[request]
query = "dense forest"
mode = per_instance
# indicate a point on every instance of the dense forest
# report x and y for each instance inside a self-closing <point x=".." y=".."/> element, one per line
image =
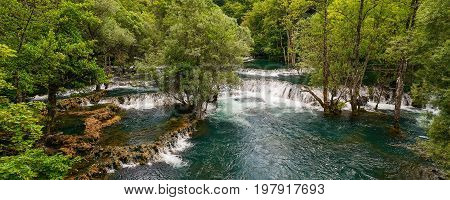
<point x="191" y="49"/>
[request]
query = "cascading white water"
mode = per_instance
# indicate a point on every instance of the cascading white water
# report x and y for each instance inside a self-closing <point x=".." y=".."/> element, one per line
<point x="168" y="154"/>
<point x="139" y="101"/>
<point x="275" y="91"/>
<point x="387" y="98"/>
<point x="115" y="84"/>
<point x="269" y="73"/>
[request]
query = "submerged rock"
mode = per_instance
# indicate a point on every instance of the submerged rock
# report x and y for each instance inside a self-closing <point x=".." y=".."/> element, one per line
<point x="95" y="121"/>
<point x="78" y="102"/>
<point x="112" y="158"/>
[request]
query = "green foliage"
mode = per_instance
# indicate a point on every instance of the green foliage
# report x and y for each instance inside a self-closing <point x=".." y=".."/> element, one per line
<point x="439" y="130"/>
<point x="274" y="25"/>
<point x="126" y="31"/>
<point x="19" y="125"/>
<point x="5" y="53"/>
<point x="236" y="8"/>
<point x="20" y="129"/>
<point x="432" y="51"/>
<point x="341" y="105"/>
<point x="438" y="148"/>
<point x="65" y="58"/>
<point x="199" y="53"/>
<point x="34" y="164"/>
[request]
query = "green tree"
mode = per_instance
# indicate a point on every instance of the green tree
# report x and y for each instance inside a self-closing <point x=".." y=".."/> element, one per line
<point x="199" y="53"/>
<point x="20" y="129"/>
<point x="64" y="58"/>
<point x="274" y="25"/>
<point x="236" y="8"/>
<point x="21" y="23"/>
<point x="432" y="43"/>
<point x="5" y="52"/>
<point x="127" y="30"/>
<point x="401" y="52"/>
<point x="20" y="126"/>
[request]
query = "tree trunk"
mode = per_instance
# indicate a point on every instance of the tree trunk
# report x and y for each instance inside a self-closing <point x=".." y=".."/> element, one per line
<point x="326" y="65"/>
<point x="291" y="60"/>
<point x="380" y="93"/>
<point x="402" y="67"/>
<point x="354" y="90"/>
<point x="52" y="90"/>
<point x="288" y="47"/>
<point x="284" y="51"/>
<point x="399" y="93"/>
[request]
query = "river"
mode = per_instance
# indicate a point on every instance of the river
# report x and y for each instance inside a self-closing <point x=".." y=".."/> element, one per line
<point x="268" y="130"/>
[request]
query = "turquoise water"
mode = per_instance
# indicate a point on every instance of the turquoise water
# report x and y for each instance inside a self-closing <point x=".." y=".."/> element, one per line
<point x="245" y="139"/>
<point x="137" y="127"/>
<point x="248" y="138"/>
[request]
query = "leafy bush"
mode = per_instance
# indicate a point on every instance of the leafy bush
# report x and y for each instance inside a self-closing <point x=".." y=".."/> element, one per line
<point x="19" y="126"/>
<point x="20" y="129"/>
<point x="34" y="164"/>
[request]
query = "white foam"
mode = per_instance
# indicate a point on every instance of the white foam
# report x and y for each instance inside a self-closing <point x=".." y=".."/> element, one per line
<point x="169" y="154"/>
<point x="282" y="93"/>
<point x="128" y="165"/>
<point x="269" y="93"/>
<point x="110" y="170"/>
<point x="139" y="101"/>
<point x="115" y="84"/>
<point x="269" y="73"/>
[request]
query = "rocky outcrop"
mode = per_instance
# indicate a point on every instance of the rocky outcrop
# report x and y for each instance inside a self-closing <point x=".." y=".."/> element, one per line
<point x="95" y="121"/>
<point x="114" y="157"/>
<point x="78" y="102"/>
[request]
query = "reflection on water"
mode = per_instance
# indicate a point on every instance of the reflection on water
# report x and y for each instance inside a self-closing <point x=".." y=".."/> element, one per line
<point x="264" y="64"/>
<point x="138" y="127"/>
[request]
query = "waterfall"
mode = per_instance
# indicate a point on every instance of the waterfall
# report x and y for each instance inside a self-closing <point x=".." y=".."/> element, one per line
<point x="115" y="84"/>
<point x="387" y="98"/>
<point x="268" y="73"/>
<point x="275" y="91"/>
<point x="166" y="149"/>
<point x="268" y="89"/>
<point x="168" y="154"/>
<point x="139" y="101"/>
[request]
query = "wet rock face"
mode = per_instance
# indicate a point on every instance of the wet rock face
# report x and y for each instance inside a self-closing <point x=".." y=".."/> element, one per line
<point x="78" y="102"/>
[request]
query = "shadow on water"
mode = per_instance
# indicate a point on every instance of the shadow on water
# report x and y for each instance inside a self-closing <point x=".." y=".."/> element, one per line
<point x="140" y="127"/>
<point x="264" y="64"/>
<point x="70" y="125"/>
